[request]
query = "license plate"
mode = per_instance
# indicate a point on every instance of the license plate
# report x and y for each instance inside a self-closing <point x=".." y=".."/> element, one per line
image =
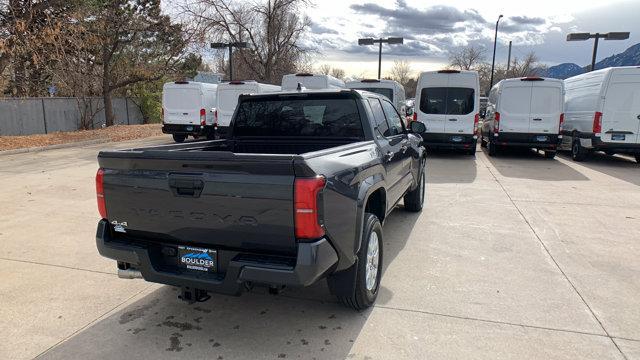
<point x="189" y="128"/>
<point x="199" y="259"/>
<point x="617" y="137"/>
<point x="542" y="138"/>
<point x="456" y="138"/>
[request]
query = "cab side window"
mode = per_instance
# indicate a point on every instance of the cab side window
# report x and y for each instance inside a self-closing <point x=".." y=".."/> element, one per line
<point x="378" y="116"/>
<point x="393" y="118"/>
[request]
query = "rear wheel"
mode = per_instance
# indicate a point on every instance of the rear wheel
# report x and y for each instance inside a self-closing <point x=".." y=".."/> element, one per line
<point x="638" y="158"/>
<point x="578" y="152"/>
<point x="472" y="151"/>
<point x="369" y="266"/>
<point x="179" y="138"/>
<point x="414" y="199"/>
<point x="549" y="154"/>
<point x="483" y="142"/>
<point x="610" y="153"/>
<point x="493" y="148"/>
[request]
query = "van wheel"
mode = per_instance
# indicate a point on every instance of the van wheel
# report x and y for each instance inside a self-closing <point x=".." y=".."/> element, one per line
<point x="549" y="154"/>
<point x="493" y="148"/>
<point x="578" y="152"/>
<point x="414" y="199"/>
<point x="638" y="159"/>
<point x="483" y="143"/>
<point x="179" y="138"/>
<point x="368" y="267"/>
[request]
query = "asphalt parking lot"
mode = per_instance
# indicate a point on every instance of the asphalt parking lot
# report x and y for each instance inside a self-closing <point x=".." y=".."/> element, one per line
<point x="515" y="257"/>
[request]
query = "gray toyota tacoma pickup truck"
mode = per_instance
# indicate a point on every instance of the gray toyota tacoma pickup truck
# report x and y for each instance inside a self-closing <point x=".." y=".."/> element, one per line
<point x="297" y="193"/>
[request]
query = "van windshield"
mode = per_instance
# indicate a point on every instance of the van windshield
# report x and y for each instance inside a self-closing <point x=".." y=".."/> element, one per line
<point x="382" y="91"/>
<point x="447" y="101"/>
<point x="323" y="117"/>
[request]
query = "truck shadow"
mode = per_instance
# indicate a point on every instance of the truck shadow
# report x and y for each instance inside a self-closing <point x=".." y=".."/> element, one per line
<point x="624" y="168"/>
<point x="529" y="164"/>
<point x="300" y="323"/>
<point x="448" y="166"/>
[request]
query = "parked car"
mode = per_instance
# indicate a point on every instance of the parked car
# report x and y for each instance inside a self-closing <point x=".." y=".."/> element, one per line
<point x="227" y="97"/>
<point x="448" y="104"/>
<point x="524" y="112"/>
<point x="393" y="90"/>
<point x="298" y="192"/>
<point x="311" y="81"/>
<point x="602" y="113"/>
<point x="186" y="109"/>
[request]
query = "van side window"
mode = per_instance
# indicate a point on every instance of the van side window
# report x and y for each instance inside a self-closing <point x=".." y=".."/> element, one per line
<point x="394" y="120"/>
<point x="447" y="101"/>
<point x="378" y="115"/>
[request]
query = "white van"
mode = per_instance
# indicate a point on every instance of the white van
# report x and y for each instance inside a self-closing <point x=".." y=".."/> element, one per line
<point x="187" y="109"/>
<point x="393" y="90"/>
<point x="524" y="112"/>
<point x="602" y="112"/>
<point x="228" y="99"/>
<point x="447" y="102"/>
<point x="311" y="81"/>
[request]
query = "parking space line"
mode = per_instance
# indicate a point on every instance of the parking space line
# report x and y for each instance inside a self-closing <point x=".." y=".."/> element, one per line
<point x="58" y="266"/>
<point x="546" y="249"/>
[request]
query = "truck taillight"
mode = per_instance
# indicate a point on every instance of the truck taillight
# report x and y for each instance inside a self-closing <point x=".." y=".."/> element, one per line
<point x="415" y="116"/>
<point x="215" y="116"/>
<point x="306" y="193"/>
<point x="203" y="117"/>
<point x="597" y="122"/>
<point x="476" y="121"/>
<point x="102" y="206"/>
<point x="496" y="126"/>
<point x="561" y="123"/>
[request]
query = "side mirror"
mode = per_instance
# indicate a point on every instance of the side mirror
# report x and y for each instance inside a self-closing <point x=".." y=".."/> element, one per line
<point x="417" y="127"/>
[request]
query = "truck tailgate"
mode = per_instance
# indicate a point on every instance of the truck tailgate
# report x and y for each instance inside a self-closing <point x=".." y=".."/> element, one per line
<point x="218" y="199"/>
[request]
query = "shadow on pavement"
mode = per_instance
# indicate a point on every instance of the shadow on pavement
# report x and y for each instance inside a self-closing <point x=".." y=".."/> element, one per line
<point x="298" y="324"/>
<point x="621" y="167"/>
<point x="449" y="166"/>
<point x="529" y="164"/>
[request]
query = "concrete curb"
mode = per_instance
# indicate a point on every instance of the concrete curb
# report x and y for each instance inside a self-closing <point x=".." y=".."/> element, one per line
<point x="53" y="147"/>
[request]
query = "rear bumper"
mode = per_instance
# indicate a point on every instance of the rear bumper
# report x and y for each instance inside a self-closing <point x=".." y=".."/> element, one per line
<point x="449" y="141"/>
<point x="619" y="148"/>
<point x="526" y="140"/>
<point x="188" y="129"/>
<point x="313" y="261"/>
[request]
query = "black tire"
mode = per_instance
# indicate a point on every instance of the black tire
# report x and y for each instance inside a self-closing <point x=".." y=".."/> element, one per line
<point x="493" y="148"/>
<point x="179" y="138"/>
<point x="483" y="143"/>
<point x="610" y="153"/>
<point x="414" y="199"/>
<point x="212" y="136"/>
<point x="549" y="154"/>
<point x="578" y="153"/>
<point x="362" y="297"/>
<point x="638" y="159"/>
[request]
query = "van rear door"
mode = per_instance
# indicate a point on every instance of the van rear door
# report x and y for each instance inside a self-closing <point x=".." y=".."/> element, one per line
<point x="461" y="103"/>
<point x="515" y="107"/>
<point x="621" y="109"/>
<point x="182" y="104"/>
<point x="546" y="107"/>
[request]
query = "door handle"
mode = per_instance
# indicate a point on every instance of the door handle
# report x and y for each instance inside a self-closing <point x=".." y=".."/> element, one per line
<point x="186" y="187"/>
<point x="404" y="148"/>
<point x="537" y="119"/>
<point x="453" y="119"/>
<point x="388" y="156"/>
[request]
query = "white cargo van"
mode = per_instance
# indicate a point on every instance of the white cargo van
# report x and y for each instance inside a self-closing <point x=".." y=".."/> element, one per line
<point x="393" y="90"/>
<point x="524" y="112"/>
<point x="311" y="81"/>
<point x="187" y="109"/>
<point x="602" y="112"/>
<point x="447" y="102"/>
<point x="227" y="97"/>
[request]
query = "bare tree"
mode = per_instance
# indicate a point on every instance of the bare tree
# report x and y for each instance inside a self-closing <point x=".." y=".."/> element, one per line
<point x="466" y="58"/>
<point x="324" y="69"/>
<point x="338" y="73"/>
<point x="526" y="67"/>
<point x="401" y="71"/>
<point x="273" y="29"/>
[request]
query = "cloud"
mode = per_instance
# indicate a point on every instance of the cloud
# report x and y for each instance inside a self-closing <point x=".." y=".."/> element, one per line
<point x="320" y="29"/>
<point x="525" y="20"/>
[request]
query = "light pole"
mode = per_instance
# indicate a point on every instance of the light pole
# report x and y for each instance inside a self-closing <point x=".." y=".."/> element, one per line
<point x="371" y="41"/>
<point x="230" y="45"/>
<point x="597" y="36"/>
<point x="493" y="62"/>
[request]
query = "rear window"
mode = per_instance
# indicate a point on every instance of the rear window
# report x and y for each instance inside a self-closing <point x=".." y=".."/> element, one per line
<point x="181" y="99"/>
<point x="326" y="117"/>
<point x="447" y="101"/>
<point x="382" y="91"/>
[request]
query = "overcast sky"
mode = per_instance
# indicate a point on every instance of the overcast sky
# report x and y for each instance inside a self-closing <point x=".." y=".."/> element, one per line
<point x="432" y="29"/>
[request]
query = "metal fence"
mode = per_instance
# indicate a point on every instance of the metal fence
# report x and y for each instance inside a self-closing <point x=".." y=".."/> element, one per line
<point x="27" y="116"/>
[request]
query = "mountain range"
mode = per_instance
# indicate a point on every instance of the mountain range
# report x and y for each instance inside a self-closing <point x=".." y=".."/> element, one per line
<point x="629" y="57"/>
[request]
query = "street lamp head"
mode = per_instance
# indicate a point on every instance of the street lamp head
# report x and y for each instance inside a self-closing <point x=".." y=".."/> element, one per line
<point x="500" y="17"/>
<point x="367" y="41"/>
<point x="578" y="36"/>
<point x="617" y="36"/>
<point x="395" y="40"/>
<point x="219" y="45"/>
